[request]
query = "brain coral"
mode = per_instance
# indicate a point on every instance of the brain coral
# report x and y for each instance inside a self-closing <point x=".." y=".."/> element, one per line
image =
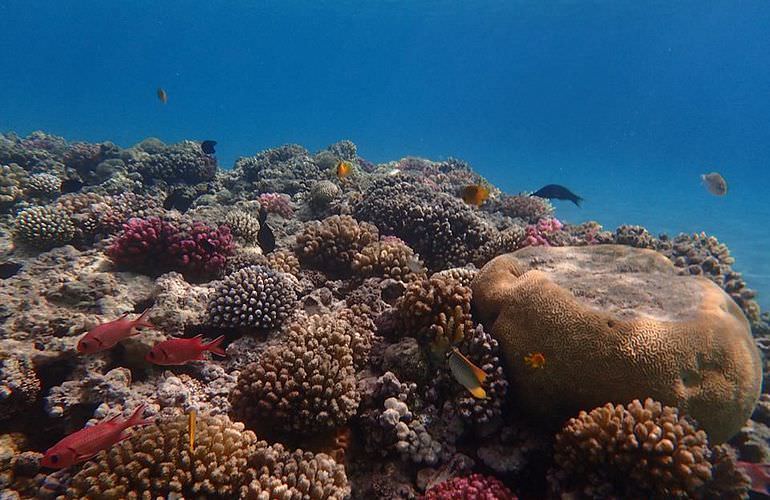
<point x="333" y="243"/>
<point x="441" y="228"/>
<point x="616" y="323"/>
<point x="638" y="451"/>
<point x="473" y="487"/>
<point x="436" y="310"/>
<point x="227" y="462"/>
<point x="389" y="258"/>
<point x="306" y="384"/>
<point x="252" y="297"/>
<point x="43" y="227"/>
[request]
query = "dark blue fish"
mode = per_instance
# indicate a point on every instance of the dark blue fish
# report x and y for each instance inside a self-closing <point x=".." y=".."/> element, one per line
<point x="555" y="191"/>
<point x="265" y="236"/>
<point x="208" y="147"/>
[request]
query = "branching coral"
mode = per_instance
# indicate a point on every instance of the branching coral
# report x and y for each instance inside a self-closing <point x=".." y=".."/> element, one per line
<point x="43" y="227"/>
<point x="155" y="245"/>
<point x="635" y="236"/>
<point x="441" y="228"/>
<point x="284" y="261"/>
<point x="252" y="297"/>
<point x="306" y="384"/>
<point x="635" y="451"/>
<point x="43" y="185"/>
<point x="333" y="243"/>
<point x="243" y="226"/>
<point x="276" y="203"/>
<point x="473" y="487"/>
<point x="436" y="310"/>
<point x="388" y="258"/>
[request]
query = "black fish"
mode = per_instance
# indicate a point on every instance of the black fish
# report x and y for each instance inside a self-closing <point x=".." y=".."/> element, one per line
<point x="208" y="147"/>
<point x="558" y="192"/>
<point x="265" y="236"/>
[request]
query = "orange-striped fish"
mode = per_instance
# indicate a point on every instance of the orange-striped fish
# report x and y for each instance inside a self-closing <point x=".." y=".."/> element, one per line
<point x="535" y="360"/>
<point x="475" y="194"/>
<point x="162" y="95"/>
<point x="469" y="375"/>
<point x="344" y="169"/>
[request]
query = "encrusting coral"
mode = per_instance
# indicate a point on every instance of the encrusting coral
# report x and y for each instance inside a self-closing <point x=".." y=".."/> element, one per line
<point x="641" y="450"/>
<point x="332" y="244"/>
<point x="305" y="384"/>
<point x="252" y="297"/>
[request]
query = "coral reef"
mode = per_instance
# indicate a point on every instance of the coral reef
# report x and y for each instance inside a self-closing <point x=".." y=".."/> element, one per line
<point x="332" y="244"/>
<point x="19" y="385"/>
<point x="253" y="297"/>
<point x="388" y="258"/>
<point x="243" y="226"/>
<point x="528" y="208"/>
<point x="642" y="450"/>
<point x="43" y="228"/>
<point x="183" y="163"/>
<point x="473" y="487"/>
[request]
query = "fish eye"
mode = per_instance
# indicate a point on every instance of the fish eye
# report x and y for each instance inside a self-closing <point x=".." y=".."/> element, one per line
<point x="54" y="459"/>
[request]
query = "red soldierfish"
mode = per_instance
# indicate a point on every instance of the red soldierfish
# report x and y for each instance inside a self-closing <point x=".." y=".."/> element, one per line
<point x="106" y="335"/>
<point x="759" y="474"/>
<point x="86" y="443"/>
<point x="180" y="351"/>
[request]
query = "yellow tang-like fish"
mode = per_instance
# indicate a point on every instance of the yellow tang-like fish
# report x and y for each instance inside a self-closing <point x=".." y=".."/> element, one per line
<point x="191" y="425"/>
<point x="344" y="169"/>
<point x="469" y="375"/>
<point x="475" y="194"/>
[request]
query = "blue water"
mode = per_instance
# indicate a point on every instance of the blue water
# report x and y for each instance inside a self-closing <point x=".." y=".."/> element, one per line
<point x="625" y="102"/>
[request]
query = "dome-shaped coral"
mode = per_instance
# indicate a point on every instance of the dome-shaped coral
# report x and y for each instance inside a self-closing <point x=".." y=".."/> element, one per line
<point x="333" y="243"/>
<point x="473" y="487"/>
<point x="306" y="383"/>
<point x="436" y="310"/>
<point x="252" y="297"/>
<point x="284" y="261"/>
<point x="44" y="185"/>
<point x="388" y="258"/>
<point x="243" y="226"/>
<point x="322" y="193"/>
<point x="43" y="227"/>
<point x="12" y="177"/>
<point x="525" y="207"/>
<point x="634" y="451"/>
<point x="183" y="163"/>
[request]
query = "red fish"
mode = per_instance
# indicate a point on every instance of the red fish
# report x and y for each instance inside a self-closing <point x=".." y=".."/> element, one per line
<point x="86" y="443"/>
<point x="759" y="474"/>
<point x="106" y="335"/>
<point x="180" y="351"/>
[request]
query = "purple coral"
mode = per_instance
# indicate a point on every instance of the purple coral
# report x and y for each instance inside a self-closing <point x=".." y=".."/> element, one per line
<point x="473" y="487"/>
<point x="276" y="203"/>
<point x="537" y="234"/>
<point x="153" y="244"/>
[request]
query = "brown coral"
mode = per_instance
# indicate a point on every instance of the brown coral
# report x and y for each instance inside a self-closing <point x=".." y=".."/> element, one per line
<point x="284" y="261"/>
<point x="304" y="384"/>
<point x="526" y="207"/>
<point x="617" y="323"/>
<point x="637" y="451"/>
<point x="333" y="243"/>
<point x="389" y="258"/>
<point x="436" y="310"/>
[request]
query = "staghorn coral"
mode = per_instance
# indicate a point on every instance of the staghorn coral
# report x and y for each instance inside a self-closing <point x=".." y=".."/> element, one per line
<point x="473" y="487"/>
<point x="388" y="258"/>
<point x="305" y="384"/>
<point x="243" y="226"/>
<point x="528" y="208"/>
<point x="43" y="228"/>
<point x="437" y="311"/>
<point x="333" y="243"/>
<point x="252" y="297"/>
<point x="441" y="228"/>
<point x="641" y="450"/>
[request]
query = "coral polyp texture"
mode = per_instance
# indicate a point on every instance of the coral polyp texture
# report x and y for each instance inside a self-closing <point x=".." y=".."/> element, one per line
<point x="333" y="243"/>
<point x="345" y="300"/>
<point x="306" y="383"/>
<point x="255" y="297"/>
<point x="641" y="450"/>
<point x="679" y="339"/>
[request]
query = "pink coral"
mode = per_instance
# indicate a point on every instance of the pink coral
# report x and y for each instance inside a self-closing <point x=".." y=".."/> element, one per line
<point x="276" y="203"/>
<point x="537" y="234"/>
<point x="153" y="244"/>
<point x="473" y="487"/>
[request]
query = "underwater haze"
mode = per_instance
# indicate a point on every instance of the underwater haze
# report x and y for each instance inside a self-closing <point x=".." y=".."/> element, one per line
<point x="626" y="103"/>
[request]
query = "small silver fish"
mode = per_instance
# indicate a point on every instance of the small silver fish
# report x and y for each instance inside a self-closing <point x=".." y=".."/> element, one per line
<point x="715" y="183"/>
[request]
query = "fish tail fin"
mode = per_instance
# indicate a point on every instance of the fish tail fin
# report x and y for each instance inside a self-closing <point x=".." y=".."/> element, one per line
<point x="578" y="200"/>
<point x="143" y="321"/>
<point x="214" y="347"/>
<point x="136" y="417"/>
<point x="478" y="392"/>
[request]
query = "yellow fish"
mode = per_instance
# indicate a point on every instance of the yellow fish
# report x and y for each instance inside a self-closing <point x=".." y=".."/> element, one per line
<point x="191" y="425"/>
<point x="162" y="95"/>
<point x="469" y="375"/>
<point x="535" y="360"/>
<point x="344" y="169"/>
<point x="475" y="194"/>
